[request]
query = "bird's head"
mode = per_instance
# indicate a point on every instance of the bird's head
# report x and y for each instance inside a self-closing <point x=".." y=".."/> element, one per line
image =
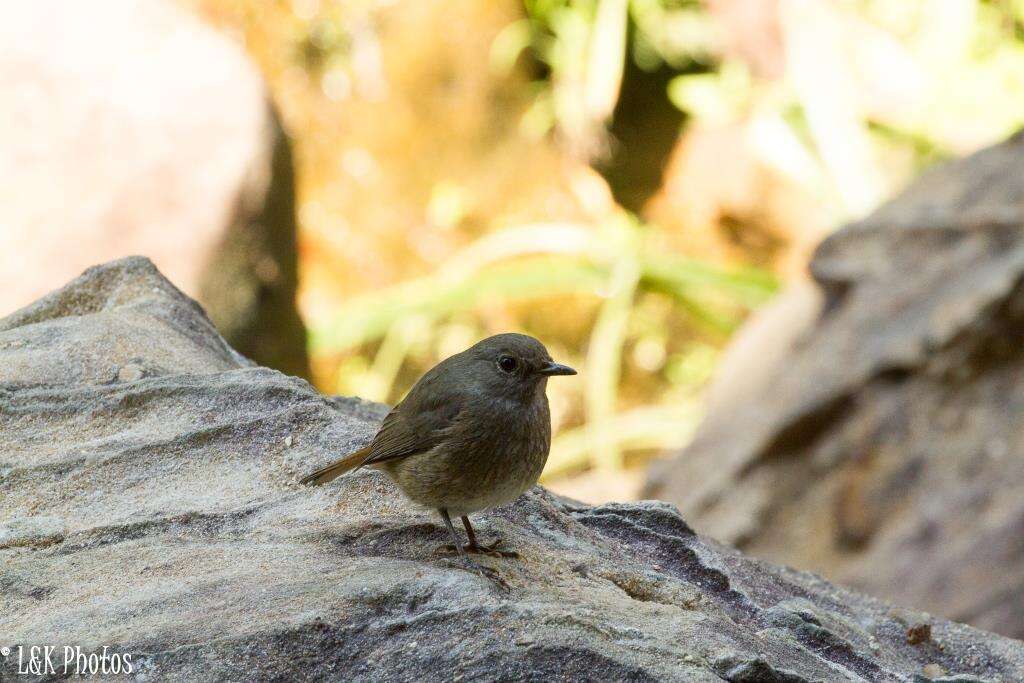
<point x="513" y="366"/>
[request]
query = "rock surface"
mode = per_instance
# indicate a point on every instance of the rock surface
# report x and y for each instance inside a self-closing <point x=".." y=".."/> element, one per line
<point x="885" y="449"/>
<point x="156" y="512"/>
<point x="130" y="127"/>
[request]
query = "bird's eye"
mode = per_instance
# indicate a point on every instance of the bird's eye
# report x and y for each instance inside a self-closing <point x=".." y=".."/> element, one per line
<point x="507" y="364"/>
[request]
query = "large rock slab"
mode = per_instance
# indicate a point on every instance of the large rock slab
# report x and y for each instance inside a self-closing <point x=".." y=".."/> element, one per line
<point x="885" y="447"/>
<point x="148" y="503"/>
<point x="130" y="127"/>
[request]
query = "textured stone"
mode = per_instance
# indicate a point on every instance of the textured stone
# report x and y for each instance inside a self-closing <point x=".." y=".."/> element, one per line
<point x="189" y="546"/>
<point x="32" y="532"/>
<point x="885" y="446"/>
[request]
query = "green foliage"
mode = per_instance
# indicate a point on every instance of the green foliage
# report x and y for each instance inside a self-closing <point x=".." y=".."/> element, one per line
<point x="869" y="91"/>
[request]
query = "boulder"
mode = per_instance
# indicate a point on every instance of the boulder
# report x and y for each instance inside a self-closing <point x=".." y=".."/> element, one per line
<point x="148" y="504"/>
<point x="884" y="447"/>
<point x="128" y="126"/>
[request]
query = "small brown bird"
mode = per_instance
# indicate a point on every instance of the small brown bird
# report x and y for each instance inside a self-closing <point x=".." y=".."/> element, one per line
<point x="473" y="433"/>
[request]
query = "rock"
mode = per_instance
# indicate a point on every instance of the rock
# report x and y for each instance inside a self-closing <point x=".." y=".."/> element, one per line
<point x="919" y="633"/>
<point x="32" y="532"/>
<point x="130" y="373"/>
<point x="738" y="670"/>
<point x="765" y="339"/>
<point x="883" y="447"/>
<point x="190" y="547"/>
<point x="128" y="126"/>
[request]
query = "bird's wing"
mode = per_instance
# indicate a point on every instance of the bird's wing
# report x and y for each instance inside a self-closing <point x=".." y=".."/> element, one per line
<point x="420" y="422"/>
<point x="413" y="427"/>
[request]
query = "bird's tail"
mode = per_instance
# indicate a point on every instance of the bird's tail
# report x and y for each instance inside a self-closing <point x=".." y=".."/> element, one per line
<point x="337" y="468"/>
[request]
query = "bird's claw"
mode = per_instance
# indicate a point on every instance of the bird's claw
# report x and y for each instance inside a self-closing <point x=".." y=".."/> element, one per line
<point x="491" y="550"/>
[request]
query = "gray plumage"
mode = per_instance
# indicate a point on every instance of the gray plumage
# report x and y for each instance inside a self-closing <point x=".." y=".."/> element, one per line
<point x="473" y="433"/>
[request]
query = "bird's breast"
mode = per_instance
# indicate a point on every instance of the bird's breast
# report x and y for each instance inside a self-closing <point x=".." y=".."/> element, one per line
<point x="505" y="454"/>
<point x="494" y="454"/>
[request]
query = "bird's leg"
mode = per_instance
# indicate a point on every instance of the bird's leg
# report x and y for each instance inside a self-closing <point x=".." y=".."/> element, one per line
<point x="491" y="549"/>
<point x="451" y="530"/>
<point x="458" y="546"/>
<point x="469" y="532"/>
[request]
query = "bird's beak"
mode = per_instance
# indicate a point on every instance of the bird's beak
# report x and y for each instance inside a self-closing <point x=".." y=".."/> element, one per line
<point x="553" y="368"/>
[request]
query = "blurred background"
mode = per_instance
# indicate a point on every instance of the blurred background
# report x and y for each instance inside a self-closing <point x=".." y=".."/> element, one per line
<point x="625" y="179"/>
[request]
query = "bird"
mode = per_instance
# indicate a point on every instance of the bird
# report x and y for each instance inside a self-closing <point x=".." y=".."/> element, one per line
<point x="474" y="432"/>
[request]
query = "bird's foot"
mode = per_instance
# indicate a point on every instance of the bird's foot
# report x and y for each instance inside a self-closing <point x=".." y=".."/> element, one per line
<point x="491" y="550"/>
